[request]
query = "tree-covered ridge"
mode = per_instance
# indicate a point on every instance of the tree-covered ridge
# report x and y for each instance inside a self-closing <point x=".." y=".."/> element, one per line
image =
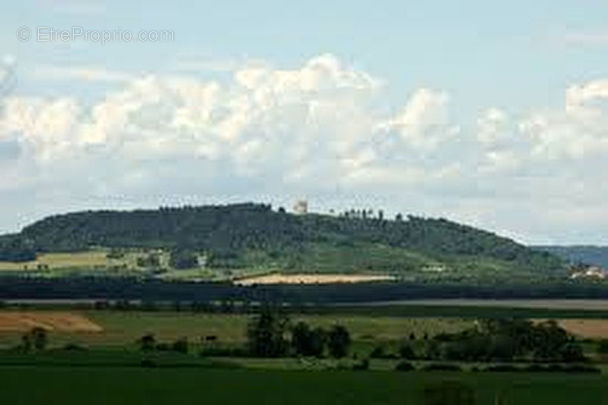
<point x="230" y="231"/>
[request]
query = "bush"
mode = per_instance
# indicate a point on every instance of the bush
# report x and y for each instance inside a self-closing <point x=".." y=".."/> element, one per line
<point x="379" y="352"/>
<point x="406" y="351"/>
<point x="405" y="366"/>
<point x="308" y="342"/>
<point x="338" y="341"/>
<point x="147" y="342"/>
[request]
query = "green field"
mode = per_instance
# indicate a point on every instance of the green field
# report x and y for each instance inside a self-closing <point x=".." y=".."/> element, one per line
<point x="318" y="257"/>
<point x="106" y="367"/>
<point x="66" y="386"/>
<point x="65" y="264"/>
<point x="120" y="328"/>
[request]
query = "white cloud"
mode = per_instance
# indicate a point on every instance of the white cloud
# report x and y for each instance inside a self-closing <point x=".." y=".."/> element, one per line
<point x="424" y="122"/>
<point x="7" y="74"/>
<point x="586" y="38"/>
<point x="311" y="130"/>
<point x="84" y="73"/>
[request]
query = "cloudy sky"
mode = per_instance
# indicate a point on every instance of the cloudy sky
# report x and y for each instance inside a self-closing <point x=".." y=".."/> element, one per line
<point x="490" y="113"/>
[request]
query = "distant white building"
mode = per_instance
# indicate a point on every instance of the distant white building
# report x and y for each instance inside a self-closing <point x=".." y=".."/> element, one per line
<point x="301" y="207"/>
<point x="591" y="272"/>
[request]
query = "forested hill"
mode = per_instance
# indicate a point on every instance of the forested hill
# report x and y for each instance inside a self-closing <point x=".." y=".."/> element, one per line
<point x="231" y="231"/>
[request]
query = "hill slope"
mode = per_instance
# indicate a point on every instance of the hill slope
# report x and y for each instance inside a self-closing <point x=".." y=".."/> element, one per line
<point x="254" y="235"/>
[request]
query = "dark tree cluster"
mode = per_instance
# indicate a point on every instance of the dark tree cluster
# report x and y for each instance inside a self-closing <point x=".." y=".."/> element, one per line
<point x="502" y="340"/>
<point x="35" y="339"/>
<point x="306" y="341"/>
<point x="148" y="343"/>
<point x="16" y="249"/>
<point x="268" y="336"/>
<point x="131" y="288"/>
<point x="183" y="259"/>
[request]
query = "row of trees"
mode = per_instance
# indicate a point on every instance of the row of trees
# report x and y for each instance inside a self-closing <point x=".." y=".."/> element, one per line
<point x="500" y="340"/>
<point x="270" y="334"/>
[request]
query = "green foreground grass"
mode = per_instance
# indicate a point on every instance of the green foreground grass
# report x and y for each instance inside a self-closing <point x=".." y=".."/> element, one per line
<point x="66" y="386"/>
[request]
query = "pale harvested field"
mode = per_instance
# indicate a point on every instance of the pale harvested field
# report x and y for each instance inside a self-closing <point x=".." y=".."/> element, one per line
<point x="588" y="328"/>
<point x="312" y="279"/>
<point x="16" y="321"/>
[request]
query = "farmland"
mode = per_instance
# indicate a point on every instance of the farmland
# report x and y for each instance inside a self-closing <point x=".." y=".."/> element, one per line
<point x="368" y="327"/>
<point x="68" y="263"/>
<point x="51" y="321"/>
<point x="120" y="328"/>
<point x="96" y="351"/>
<point x="92" y="258"/>
<point x="312" y="279"/>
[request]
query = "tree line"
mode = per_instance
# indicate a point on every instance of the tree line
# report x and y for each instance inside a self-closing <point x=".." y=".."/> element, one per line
<point x="148" y="290"/>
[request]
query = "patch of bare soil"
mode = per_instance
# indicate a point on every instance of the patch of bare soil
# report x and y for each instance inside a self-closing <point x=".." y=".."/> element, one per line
<point x="14" y="321"/>
<point x="312" y="279"/>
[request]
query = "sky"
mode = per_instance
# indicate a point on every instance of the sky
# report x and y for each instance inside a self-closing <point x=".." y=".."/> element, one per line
<point x="489" y="113"/>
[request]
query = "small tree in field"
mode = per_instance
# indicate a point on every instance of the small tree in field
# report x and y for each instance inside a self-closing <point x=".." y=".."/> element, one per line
<point x="37" y="338"/>
<point x="26" y="342"/>
<point x="300" y="338"/>
<point x="147" y="342"/>
<point x="306" y="341"/>
<point x="338" y="341"/>
<point x="266" y="334"/>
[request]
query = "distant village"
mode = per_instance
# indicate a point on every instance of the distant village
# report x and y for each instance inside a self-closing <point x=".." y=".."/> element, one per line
<point x="589" y="272"/>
